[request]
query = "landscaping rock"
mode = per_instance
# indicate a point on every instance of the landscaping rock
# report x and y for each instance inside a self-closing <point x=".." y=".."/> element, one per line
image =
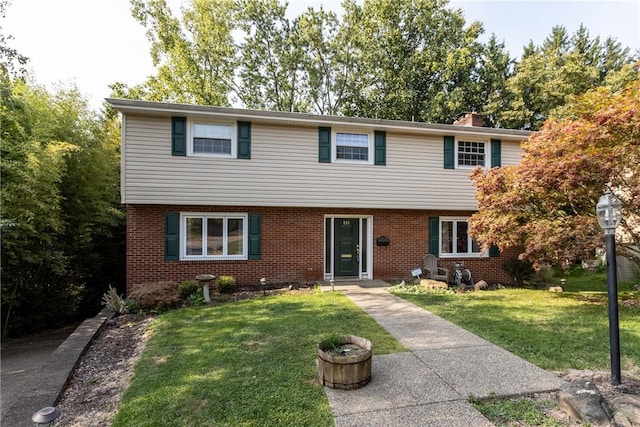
<point x="582" y="400"/>
<point x="481" y="286"/>
<point x="629" y="406"/>
<point x="555" y="289"/>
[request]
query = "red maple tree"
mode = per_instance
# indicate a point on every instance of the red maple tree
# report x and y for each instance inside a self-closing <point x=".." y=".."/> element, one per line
<point x="546" y="204"/>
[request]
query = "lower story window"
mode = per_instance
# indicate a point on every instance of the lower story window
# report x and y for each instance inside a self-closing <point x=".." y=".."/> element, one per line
<point x="455" y="239"/>
<point x="214" y="236"/>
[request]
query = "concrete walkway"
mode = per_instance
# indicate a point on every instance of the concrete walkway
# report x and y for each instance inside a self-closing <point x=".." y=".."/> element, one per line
<point x="35" y="372"/>
<point x="430" y="385"/>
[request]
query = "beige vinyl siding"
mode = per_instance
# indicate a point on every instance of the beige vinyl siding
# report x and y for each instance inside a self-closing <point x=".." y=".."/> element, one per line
<point x="511" y="153"/>
<point x="284" y="171"/>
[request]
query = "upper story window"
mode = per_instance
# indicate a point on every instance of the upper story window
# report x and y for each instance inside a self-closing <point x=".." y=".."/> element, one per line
<point x="212" y="139"/>
<point x="471" y="154"/>
<point x="352" y="146"/>
<point x="213" y="236"/>
<point x="455" y="240"/>
<point x="203" y="138"/>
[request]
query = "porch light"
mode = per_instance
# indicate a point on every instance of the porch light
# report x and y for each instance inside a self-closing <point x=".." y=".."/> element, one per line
<point x="609" y="215"/>
<point x="46" y="416"/>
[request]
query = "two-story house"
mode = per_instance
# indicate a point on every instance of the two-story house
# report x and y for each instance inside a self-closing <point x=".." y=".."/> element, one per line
<point x="299" y="197"/>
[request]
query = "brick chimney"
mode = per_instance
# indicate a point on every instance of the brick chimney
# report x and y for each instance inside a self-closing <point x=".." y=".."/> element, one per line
<point x="470" y="119"/>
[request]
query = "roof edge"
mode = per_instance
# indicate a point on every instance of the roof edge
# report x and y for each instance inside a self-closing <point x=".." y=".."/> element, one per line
<point x="165" y="108"/>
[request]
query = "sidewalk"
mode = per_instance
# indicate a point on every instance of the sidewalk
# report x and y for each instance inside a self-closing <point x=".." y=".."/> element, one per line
<point x="35" y="372"/>
<point x="430" y="385"/>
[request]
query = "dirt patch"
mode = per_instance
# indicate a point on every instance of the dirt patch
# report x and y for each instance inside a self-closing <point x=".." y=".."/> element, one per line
<point x="346" y="350"/>
<point x="103" y="373"/>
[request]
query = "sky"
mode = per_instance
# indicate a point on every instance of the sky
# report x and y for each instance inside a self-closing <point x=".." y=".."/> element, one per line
<point x="94" y="43"/>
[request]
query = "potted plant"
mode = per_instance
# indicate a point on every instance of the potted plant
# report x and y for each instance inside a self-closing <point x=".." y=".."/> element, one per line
<point x="344" y="362"/>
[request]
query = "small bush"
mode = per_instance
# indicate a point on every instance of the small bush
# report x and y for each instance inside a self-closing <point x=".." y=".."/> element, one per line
<point x="226" y="284"/>
<point x="196" y="298"/>
<point x="155" y="295"/>
<point x="543" y="276"/>
<point x="114" y="302"/>
<point x="518" y="269"/>
<point x="189" y="288"/>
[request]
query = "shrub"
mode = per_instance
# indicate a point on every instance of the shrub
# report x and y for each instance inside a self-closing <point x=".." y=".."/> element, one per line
<point x="114" y="302"/>
<point x="518" y="269"/>
<point x="189" y="288"/>
<point x="155" y="295"/>
<point x="226" y="284"/>
<point x="196" y="298"/>
<point x="543" y="276"/>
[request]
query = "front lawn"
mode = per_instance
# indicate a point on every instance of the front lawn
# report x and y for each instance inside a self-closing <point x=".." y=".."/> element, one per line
<point x="556" y="331"/>
<point x="246" y="363"/>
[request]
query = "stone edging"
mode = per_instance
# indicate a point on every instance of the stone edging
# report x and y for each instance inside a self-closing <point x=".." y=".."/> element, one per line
<point x="46" y="387"/>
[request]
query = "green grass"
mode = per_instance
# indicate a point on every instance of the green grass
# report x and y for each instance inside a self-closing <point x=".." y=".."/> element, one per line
<point x="502" y="412"/>
<point x="556" y="331"/>
<point x="241" y="364"/>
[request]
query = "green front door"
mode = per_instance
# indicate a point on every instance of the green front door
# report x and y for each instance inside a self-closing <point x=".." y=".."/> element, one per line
<point x="347" y="247"/>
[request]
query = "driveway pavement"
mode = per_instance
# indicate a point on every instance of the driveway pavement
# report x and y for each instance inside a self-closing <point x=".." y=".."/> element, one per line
<point x="20" y="361"/>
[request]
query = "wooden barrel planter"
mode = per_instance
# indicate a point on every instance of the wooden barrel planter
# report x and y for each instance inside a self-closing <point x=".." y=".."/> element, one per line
<point x="346" y="366"/>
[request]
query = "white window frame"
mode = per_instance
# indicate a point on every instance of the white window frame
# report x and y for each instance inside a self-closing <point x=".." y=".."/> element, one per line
<point x="334" y="146"/>
<point x="218" y="215"/>
<point x="487" y="153"/>
<point x="191" y="134"/>
<point x="455" y="253"/>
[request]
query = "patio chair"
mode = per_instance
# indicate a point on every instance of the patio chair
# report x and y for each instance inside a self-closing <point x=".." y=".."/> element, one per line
<point x="433" y="271"/>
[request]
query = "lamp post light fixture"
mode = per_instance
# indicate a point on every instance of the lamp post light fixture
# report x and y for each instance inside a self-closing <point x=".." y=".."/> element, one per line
<point x="46" y="416"/>
<point x="609" y="215"/>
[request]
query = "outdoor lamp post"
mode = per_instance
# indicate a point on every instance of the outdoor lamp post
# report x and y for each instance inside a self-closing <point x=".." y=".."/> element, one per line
<point x="609" y="215"/>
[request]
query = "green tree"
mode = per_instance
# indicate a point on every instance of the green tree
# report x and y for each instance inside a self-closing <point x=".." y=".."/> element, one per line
<point x="60" y="209"/>
<point x="329" y="63"/>
<point x="11" y="61"/>
<point x="195" y="56"/>
<point x="494" y="69"/>
<point x="547" y="76"/>
<point x="270" y="59"/>
<point x="417" y="60"/>
<point x="546" y="205"/>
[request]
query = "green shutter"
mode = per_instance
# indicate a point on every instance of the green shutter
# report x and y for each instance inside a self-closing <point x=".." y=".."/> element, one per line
<point x="434" y="235"/>
<point x="324" y="145"/>
<point x="496" y="153"/>
<point x="254" y="237"/>
<point x="494" y="251"/>
<point x="171" y="234"/>
<point x="179" y="136"/>
<point x="244" y="140"/>
<point x="449" y="152"/>
<point x="380" y="147"/>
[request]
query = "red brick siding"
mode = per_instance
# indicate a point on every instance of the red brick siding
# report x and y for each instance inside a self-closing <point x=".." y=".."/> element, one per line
<point x="292" y="246"/>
